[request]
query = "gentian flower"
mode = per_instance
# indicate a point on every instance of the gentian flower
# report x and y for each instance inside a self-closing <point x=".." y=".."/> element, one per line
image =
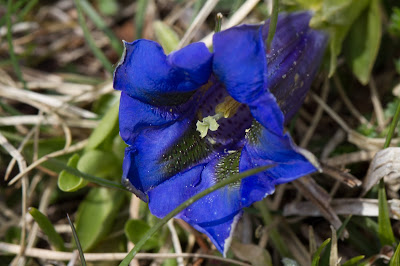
<point x="193" y="118"/>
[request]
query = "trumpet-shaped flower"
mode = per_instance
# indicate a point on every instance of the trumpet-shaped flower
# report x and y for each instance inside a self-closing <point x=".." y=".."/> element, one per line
<point x="192" y="118"/>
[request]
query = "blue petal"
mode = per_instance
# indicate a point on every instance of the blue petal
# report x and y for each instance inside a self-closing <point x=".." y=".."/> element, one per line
<point x="136" y="116"/>
<point x="147" y="74"/>
<point x="240" y="63"/>
<point x="267" y="148"/>
<point x="215" y="214"/>
<point x="144" y="165"/>
<point x="293" y="60"/>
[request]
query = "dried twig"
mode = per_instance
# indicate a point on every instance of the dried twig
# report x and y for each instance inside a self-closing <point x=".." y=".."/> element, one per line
<point x="238" y="17"/>
<point x="76" y="147"/>
<point x="377" y="104"/>
<point x="197" y="22"/>
<point x="317" y="116"/>
<point x="65" y="256"/>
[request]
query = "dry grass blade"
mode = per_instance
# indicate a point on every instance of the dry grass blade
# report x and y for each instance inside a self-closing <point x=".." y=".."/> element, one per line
<point x="317" y="117"/>
<point x="238" y="17"/>
<point x="65" y="256"/>
<point x="319" y="198"/>
<point x="76" y="147"/>
<point x="386" y="164"/>
<point x="38" y="100"/>
<point x="175" y="242"/>
<point x="333" y="258"/>
<point x="341" y="175"/>
<point x="347" y="206"/>
<point x="22" y="167"/>
<point x="350" y="158"/>
<point x="198" y="21"/>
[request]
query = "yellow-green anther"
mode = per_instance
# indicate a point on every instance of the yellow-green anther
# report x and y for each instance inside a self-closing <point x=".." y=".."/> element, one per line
<point x="228" y="107"/>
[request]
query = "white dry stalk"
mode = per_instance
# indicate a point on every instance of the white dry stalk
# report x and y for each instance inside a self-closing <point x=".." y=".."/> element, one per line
<point x="76" y="147"/>
<point x="350" y="158"/>
<point x="22" y="166"/>
<point x="344" y="206"/>
<point x="38" y="100"/>
<point x="236" y="18"/>
<point x="317" y="116"/>
<point x="66" y="256"/>
<point x="386" y="164"/>
<point x="43" y="205"/>
<point x="363" y="142"/>
<point x="175" y="242"/>
<point x="197" y="22"/>
<point x="46" y="120"/>
<point x="380" y="118"/>
<point x="353" y="110"/>
<point x="19" y="27"/>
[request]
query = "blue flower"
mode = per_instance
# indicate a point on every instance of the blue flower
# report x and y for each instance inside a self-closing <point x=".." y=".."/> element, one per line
<point x="193" y="118"/>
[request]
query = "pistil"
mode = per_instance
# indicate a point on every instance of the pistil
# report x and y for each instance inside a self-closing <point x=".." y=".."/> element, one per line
<point x="226" y="109"/>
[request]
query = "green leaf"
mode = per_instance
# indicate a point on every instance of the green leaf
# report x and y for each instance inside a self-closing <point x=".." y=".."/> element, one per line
<point x="386" y="236"/>
<point x="310" y="4"/>
<point x="101" y="164"/>
<point x="68" y="182"/>
<point x="337" y="16"/>
<point x="363" y="42"/>
<point x="136" y="229"/>
<point x="96" y="215"/>
<point x="353" y="261"/>
<point x="317" y="255"/>
<point x="107" y="126"/>
<point x="77" y="242"/>
<point x="167" y="37"/>
<point x="395" y="260"/>
<point x="44" y="223"/>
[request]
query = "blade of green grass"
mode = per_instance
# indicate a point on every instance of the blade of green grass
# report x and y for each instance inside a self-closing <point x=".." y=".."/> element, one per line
<point x="139" y="17"/>
<point x="386" y="236"/>
<point x="354" y="261"/>
<point x="44" y="223"/>
<point x="184" y="205"/>
<point x="27" y="8"/>
<point x="273" y="233"/>
<point x="273" y="23"/>
<point x="78" y="244"/>
<point x="317" y="255"/>
<point x="13" y="56"/>
<point x="385" y="231"/>
<point x="395" y="260"/>
<point x="101" y="25"/>
<point x="16" y="5"/>
<point x="89" y="39"/>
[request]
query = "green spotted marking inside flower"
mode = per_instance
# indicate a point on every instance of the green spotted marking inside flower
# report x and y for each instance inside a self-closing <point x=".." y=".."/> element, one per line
<point x="252" y="134"/>
<point x="228" y="166"/>
<point x="189" y="150"/>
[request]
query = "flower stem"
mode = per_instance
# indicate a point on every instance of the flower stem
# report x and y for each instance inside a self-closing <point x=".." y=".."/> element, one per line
<point x="218" y="22"/>
<point x="272" y="24"/>
<point x="184" y="205"/>
<point x="90" y="41"/>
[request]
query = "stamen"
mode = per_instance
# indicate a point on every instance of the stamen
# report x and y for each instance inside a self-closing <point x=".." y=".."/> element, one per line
<point x="228" y="107"/>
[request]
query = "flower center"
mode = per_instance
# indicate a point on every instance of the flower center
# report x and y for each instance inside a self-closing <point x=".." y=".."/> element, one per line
<point x="226" y="109"/>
